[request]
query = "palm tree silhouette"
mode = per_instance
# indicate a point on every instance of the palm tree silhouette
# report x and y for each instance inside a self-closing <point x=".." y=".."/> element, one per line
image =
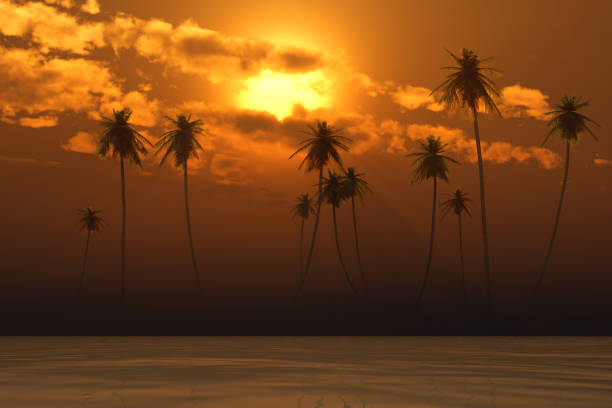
<point x="321" y="147"/>
<point x="90" y="221"/>
<point x="182" y="141"/>
<point x="430" y="163"/>
<point x="458" y="203"/>
<point x="303" y="209"/>
<point x="119" y="138"/>
<point x="467" y="88"/>
<point x="355" y="186"/>
<point x="332" y="191"/>
<point x="568" y="124"/>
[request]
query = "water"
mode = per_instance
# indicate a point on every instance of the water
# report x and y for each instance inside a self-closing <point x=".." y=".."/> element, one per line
<point x="306" y="372"/>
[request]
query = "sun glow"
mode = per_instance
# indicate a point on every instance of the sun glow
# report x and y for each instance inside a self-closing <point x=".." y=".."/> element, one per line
<point x="277" y="93"/>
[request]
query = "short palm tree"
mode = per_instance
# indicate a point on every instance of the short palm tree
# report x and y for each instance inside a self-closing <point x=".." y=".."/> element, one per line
<point x="322" y="147"/>
<point x="183" y="143"/>
<point x="430" y="163"/>
<point x="119" y="138"/>
<point x="332" y="191"/>
<point x="458" y="203"/>
<point x="356" y="186"/>
<point x="91" y="221"/>
<point x="304" y="208"/>
<point x="468" y="87"/>
<point x="568" y="124"/>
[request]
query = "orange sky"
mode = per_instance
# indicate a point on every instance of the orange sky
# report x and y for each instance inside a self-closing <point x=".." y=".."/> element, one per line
<point x="240" y="67"/>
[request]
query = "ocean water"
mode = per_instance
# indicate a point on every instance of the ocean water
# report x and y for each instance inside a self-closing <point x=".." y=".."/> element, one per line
<point x="357" y="372"/>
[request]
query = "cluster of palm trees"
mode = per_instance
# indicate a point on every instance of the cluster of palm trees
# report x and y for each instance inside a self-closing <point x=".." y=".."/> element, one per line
<point x="467" y="87"/>
<point x="120" y="139"/>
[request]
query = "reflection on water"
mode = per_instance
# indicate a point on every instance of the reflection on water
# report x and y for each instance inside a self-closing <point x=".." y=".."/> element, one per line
<point x="305" y="372"/>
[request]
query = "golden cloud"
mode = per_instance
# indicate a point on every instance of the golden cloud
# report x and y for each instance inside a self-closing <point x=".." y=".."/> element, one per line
<point x="39" y="121"/>
<point x="82" y="142"/>
<point x="35" y="85"/>
<point x="497" y="152"/>
<point x="50" y="28"/>
<point x="599" y="161"/>
<point x="414" y="97"/>
<point x="517" y="101"/>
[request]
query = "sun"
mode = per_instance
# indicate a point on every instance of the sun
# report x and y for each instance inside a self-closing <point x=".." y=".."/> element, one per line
<point x="277" y="92"/>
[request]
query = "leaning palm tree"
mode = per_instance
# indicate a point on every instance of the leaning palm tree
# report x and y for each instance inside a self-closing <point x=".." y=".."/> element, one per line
<point x="332" y="191"/>
<point x="90" y="221"/>
<point x="119" y="138"/>
<point x="322" y="147"/>
<point x="182" y="141"/>
<point x="356" y="186"/>
<point x="568" y="124"/>
<point x="303" y="209"/>
<point x="458" y="203"/>
<point x="430" y="163"/>
<point x="468" y="88"/>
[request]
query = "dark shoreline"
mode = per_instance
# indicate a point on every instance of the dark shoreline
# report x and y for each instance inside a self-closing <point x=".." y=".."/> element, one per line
<point x="307" y="320"/>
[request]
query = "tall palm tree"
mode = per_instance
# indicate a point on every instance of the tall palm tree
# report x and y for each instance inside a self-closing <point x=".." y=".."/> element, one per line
<point x="304" y="208"/>
<point x="322" y="147"/>
<point x="332" y="191"/>
<point x="468" y="87"/>
<point x="119" y="138"/>
<point x="356" y="186"/>
<point x="458" y="203"/>
<point x="568" y="124"/>
<point x="90" y="221"/>
<point x="182" y="141"/>
<point x="430" y="163"/>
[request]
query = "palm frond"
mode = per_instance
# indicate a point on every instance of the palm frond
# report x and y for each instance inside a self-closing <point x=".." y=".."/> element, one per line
<point x="430" y="162"/>
<point x="323" y="146"/>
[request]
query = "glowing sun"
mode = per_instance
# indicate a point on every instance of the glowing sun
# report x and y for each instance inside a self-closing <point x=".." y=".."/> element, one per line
<point x="277" y="93"/>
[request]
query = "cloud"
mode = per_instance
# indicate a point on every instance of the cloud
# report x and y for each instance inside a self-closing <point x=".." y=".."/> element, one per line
<point x="293" y="59"/>
<point x="229" y="170"/>
<point x="517" y="101"/>
<point x="40" y="121"/>
<point x="414" y="97"/>
<point x="599" y="161"/>
<point x="91" y="7"/>
<point x="82" y="142"/>
<point x="497" y="152"/>
<point x="28" y="160"/>
<point x="35" y="85"/>
<point x="50" y="28"/>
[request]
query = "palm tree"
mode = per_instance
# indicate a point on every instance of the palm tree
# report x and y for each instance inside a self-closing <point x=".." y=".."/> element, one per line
<point x="468" y="88"/>
<point x="90" y="221"/>
<point x="182" y="141"/>
<point x="321" y="147"/>
<point x="119" y="138"/>
<point x="568" y="124"/>
<point x="458" y="203"/>
<point x="356" y="186"/>
<point x="303" y="209"/>
<point x="332" y="191"/>
<point x="430" y="163"/>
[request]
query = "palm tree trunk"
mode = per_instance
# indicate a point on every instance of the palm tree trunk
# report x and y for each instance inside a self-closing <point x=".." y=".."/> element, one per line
<point x="348" y="278"/>
<point x="483" y="212"/>
<point x="461" y="259"/>
<point x="122" y="231"/>
<point x="554" y="234"/>
<point x="193" y="258"/>
<point x="314" y="235"/>
<point x="84" y="264"/>
<point x="365" y="285"/>
<point x="431" y="242"/>
<point x="302" y="248"/>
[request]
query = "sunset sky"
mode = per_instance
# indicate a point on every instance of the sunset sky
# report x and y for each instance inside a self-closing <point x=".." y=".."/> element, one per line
<point x="256" y="73"/>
